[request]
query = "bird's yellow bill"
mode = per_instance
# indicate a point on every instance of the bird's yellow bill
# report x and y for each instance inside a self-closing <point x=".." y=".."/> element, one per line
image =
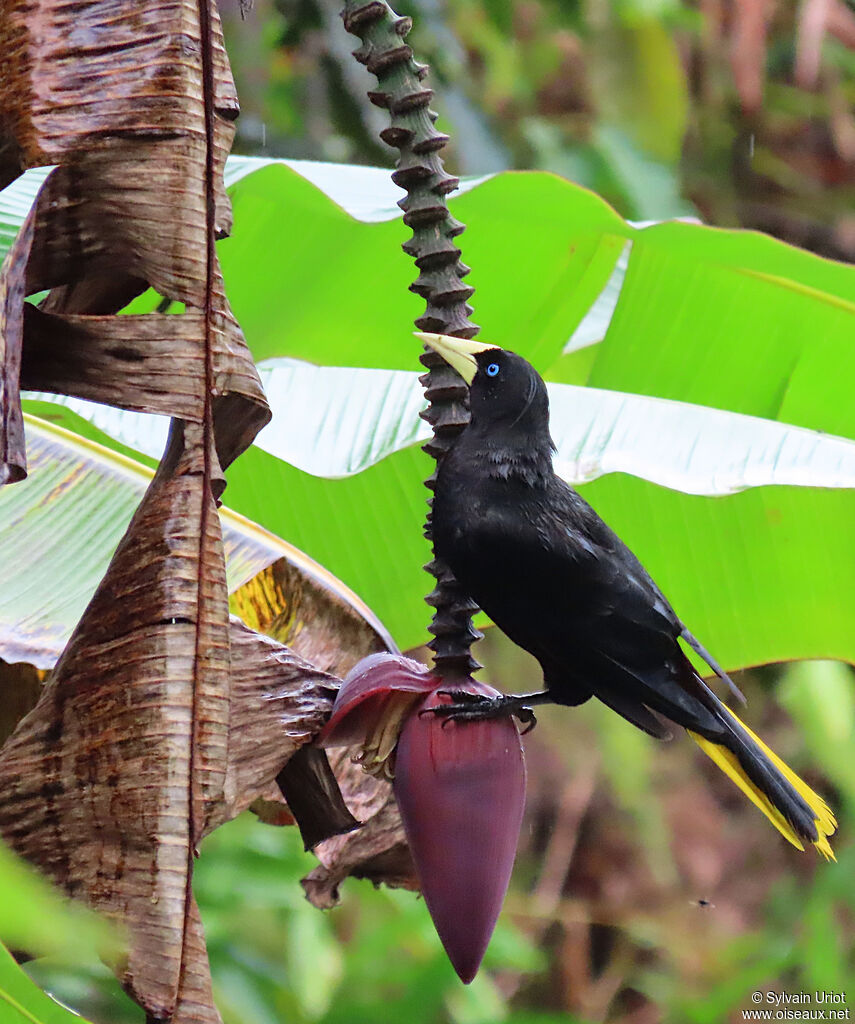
<point x="826" y="823"/>
<point x="457" y="352"/>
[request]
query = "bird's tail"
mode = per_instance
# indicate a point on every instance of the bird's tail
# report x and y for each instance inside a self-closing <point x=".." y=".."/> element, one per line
<point x="799" y="814"/>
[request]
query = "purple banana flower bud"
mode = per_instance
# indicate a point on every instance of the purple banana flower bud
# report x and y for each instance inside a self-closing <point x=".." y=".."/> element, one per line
<point x="460" y="787"/>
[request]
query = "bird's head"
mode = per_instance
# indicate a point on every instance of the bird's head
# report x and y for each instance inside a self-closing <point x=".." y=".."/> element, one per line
<point x="504" y="389"/>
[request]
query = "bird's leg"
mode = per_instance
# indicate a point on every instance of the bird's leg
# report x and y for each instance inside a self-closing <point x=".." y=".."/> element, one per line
<point x="473" y="707"/>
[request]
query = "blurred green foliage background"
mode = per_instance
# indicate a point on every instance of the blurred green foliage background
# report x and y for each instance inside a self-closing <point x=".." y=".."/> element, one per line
<point x="741" y="111"/>
<point x="646" y="887"/>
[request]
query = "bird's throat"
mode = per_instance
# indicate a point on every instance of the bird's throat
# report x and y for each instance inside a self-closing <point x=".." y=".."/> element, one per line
<point x="506" y="456"/>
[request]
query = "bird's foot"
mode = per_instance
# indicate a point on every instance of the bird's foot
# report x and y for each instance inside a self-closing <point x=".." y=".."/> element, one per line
<point x="475" y="707"/>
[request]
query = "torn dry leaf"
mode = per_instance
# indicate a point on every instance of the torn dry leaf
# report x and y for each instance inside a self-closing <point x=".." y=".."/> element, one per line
<point x="150" y="733"/>
<point x="161" y="719"/>
<point x="20" y="687"/>
<point x="117" y="98"/>
<point x="299" y="603"/>
<point x="123" y="765"/>
<point x="97" y="227"/>
<point x="110" y="781"/>
<point x="80" y="75"/>
<point x="378" y="851"/>
<point x="333" y="629"/>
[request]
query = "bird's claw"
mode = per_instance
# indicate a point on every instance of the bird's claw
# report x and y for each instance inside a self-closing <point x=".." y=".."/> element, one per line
<point x="527" y="718"/>
<point x="475" y="707"/>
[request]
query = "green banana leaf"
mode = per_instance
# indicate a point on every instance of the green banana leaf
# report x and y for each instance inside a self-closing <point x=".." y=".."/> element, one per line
<point x="62" y="524"/>
<point x="23" y="1002"/>
<point x="745" y="523"/>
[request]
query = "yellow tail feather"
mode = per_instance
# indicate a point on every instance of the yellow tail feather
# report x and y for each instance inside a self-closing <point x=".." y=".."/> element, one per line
<point x="726" y="760"/>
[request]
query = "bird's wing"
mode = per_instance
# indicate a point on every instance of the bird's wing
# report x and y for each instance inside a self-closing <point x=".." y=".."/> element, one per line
<point x="563" y="586"/>
<point x="634" y="654"/>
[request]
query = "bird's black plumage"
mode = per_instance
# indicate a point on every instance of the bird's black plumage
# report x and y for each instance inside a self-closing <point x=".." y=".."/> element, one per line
<point x="561" y="584"/>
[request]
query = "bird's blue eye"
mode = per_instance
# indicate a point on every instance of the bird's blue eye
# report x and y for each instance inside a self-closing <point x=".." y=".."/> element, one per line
<point x="492" y="369"/>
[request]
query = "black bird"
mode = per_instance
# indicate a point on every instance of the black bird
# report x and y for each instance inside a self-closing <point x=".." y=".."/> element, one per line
<point x="552" y="575"/>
